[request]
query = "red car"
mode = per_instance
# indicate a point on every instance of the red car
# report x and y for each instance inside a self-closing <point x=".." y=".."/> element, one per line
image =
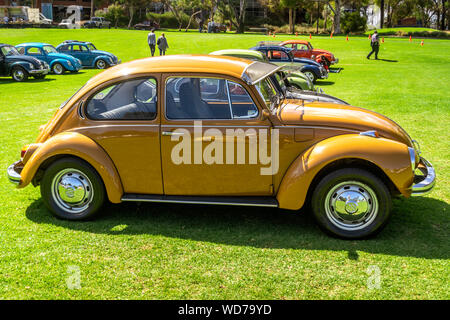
<point x="304" y="49"/>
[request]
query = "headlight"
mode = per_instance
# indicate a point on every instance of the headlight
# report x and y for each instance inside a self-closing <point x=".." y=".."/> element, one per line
<point x="31" y="66"/>
<point x="412" y="157"/>
<point x="69" y="63"/>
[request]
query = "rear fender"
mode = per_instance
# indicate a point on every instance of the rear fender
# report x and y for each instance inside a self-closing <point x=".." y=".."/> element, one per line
<point x="77" y="145"/>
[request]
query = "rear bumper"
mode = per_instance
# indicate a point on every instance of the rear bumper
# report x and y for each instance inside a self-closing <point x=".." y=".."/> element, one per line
<point x="14" y="171"/>
<point x="424" y="183"/>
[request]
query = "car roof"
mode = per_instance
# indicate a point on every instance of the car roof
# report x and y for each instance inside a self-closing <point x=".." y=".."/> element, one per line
<point x="247" y="70"/>
<point x="296" y="41"/>
<point x="245" y="52"/>
<point x="272" y="47"/>
<point x="33" y="44"/>
<point x="74" y="42"/>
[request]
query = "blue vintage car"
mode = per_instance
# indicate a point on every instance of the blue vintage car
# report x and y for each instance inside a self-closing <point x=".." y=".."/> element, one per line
<point x="58" y="62"/>
<point x="88" y="54"/>
<point x="283" y="56"/>
<point x="18" y="66"/>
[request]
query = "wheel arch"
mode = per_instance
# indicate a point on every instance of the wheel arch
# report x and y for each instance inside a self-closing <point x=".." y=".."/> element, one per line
<point x="71" y="144"/>
<point x="343" y="151"/>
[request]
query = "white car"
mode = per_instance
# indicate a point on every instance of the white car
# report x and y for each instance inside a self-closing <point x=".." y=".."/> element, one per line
<point x="44" y="20"/>
<point x="67" y="23"/>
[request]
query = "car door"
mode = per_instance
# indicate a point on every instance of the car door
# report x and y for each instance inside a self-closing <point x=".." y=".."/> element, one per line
<point x="81" y="52"/>
<point x="123" y="118"/>
<point x="210" y="132"/>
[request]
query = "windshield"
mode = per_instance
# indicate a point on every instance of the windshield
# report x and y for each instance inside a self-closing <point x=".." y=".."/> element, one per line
<point x="91" y="47"/>
<point x="269" y="93"/>
<point x="50" y="49"/>
<point x="9" y="51"/>
<point x="280" y="77"/>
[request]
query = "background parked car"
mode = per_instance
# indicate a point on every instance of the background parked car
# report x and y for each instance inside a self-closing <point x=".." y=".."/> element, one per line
<point x="18" y="66"/>
<point x="88" y="54"/>
<point x="68" y="24"/>
<point x="97" y="22"/>
<point x="58" y="62"/>
<point x="283" y="56"/>
<point x="295" y="77"/>
<point x="304" y="49"/>
<point x="146" y="25"/>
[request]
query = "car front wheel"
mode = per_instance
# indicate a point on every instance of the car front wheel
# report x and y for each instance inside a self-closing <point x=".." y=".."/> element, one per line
<point x="19" y="74"/>
<point x="311" y="76"/>
<point x="58" y="68"/>
<point x="351" y="203"/>
<point x="101" y="64"/>
<point x="72" y="189"/>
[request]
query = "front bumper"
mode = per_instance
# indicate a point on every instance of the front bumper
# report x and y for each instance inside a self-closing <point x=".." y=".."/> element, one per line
<point x="424" y="183"/>
<point x="115" y="63"/>
<point x="324" y="75"/>
<point x="14" y="171"/>
<point x="39" y="71"/>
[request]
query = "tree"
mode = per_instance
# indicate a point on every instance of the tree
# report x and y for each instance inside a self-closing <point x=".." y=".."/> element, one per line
<point x="234" y="10"/>
<point x="337" y="15"/>
<point x="115" y="11"/>
<point x="292" y="6"/>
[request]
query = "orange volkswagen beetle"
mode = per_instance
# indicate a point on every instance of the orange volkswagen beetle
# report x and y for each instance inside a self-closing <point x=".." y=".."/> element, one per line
<point x="219" y="130"/>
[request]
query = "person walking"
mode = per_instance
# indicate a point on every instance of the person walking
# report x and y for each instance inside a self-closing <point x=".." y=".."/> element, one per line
<point x="151" y="39"/>
<point x="375" y="44"/>
<point x="162" y="45"/>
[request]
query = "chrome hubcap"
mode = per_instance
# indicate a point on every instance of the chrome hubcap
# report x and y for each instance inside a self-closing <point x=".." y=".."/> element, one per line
<point x="19" y="74"/>
<point x="101" y="64"/>
<point x="72" y="190"/>
<point x="351" y="205"/>
<point x="57" y="69"/>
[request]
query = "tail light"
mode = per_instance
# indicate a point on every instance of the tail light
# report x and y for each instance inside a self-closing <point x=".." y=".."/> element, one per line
<point x="24" y="150"/>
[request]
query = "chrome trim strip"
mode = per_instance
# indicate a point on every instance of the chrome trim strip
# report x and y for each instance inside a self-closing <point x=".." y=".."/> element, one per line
<point x="209" y="125"/>
<point x="370" y="133"/>
<point x="427" y="184"/>
<point x="125" y="198"/>
<point x="13" y="176"/>
<point x="117" y="125"/>
<point x="315" y="127"/>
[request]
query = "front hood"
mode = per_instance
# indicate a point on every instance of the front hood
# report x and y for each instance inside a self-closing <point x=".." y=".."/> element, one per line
<point x="320" y="51"/>
<point x="321" y="114"/>
<point x="36" y="62"/>
<point x="102" y="53"/>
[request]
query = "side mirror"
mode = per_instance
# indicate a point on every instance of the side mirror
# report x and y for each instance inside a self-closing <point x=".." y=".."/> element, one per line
<point x="265" y="114"/>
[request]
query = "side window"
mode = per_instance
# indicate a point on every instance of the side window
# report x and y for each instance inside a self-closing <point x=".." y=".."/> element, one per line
<point x="197" y="98"/>
<point x="21" y="50"/>
<point x="242" y="104"/>
<point x="84" y="48"/>
<point x="34" y="51"/>
<point x="64" y="48"/>
<point x="279" y="55"/>
<point x="128" y="100"/>
<point x="303" y="47"/>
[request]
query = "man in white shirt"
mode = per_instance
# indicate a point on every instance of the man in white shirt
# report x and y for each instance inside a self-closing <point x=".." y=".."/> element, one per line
<point x="151" y="39"/>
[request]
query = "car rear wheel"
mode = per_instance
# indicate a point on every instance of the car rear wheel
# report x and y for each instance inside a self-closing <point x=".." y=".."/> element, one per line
<point x="311" y="76"/>
<point x="58" y="68"/>
<point x="101" y="64"/>
<point x="19" y="74"/>
<point x="72" y="189"/>
<point x="351" y="203"/>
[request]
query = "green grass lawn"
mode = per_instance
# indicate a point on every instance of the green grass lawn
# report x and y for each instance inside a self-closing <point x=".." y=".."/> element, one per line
<point x="155" y="251"/>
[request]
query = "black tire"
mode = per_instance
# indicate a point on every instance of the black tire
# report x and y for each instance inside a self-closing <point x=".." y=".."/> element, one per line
<point x="348" y="184"/>
<point x="58" y="68"/>
<point x="39" y="76"/>
<point x="19" y="74"/>
<point x="101" y="64"/>
<point x="73" y="172"/>
<point x="311" y="75"/>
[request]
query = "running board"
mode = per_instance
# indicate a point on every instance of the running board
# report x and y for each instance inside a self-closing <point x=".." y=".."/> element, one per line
<point x="230" y="201"/>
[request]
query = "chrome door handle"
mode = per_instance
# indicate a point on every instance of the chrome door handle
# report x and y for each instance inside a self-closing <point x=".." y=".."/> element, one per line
<point x="172" y="133"/>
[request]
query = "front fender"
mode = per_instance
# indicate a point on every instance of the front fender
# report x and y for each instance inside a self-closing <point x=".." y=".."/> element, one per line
<point x="22" y="64"/>
<point x="106" y="58"/>
<point x="390" y="156"/>
<point x="78" y="145"/>
<point x="299" y="82"/>
<point x="312" y="69"/>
